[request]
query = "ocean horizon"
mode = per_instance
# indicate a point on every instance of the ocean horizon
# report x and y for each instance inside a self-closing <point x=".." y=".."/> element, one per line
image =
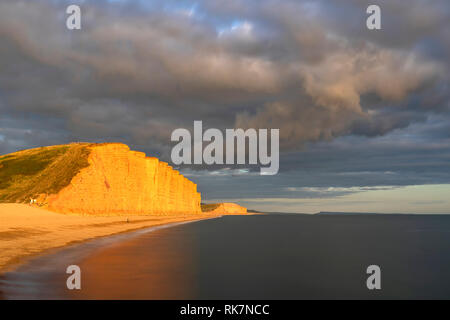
<point x="269" y="256"/>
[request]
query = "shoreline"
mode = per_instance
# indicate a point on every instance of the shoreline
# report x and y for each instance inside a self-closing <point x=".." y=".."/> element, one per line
<point x="27" y="232"/>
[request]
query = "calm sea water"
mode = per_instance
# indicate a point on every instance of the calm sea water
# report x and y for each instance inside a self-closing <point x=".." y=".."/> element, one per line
<point x="277" y="256"/>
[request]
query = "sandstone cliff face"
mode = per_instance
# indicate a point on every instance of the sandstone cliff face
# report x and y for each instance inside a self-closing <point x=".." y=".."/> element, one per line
<point x="229" y="208"/>
<point x="121" y="181"/>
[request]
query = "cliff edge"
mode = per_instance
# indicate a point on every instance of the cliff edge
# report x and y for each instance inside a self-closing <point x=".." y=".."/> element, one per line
<point x="96" y="179"/>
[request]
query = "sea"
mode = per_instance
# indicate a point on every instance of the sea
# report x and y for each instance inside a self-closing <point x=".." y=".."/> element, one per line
<point x="269" y="256"/>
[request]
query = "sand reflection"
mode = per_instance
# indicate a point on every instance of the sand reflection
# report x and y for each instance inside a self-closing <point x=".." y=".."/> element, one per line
<point x="157" y="265"/>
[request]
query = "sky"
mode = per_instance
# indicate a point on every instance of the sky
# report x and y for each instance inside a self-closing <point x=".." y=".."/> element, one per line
<point x="364" y="115"/>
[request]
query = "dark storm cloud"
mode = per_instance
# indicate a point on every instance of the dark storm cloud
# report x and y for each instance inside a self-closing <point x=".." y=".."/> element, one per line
<point x="417" y="155"/>
<point x="139" y="69"/>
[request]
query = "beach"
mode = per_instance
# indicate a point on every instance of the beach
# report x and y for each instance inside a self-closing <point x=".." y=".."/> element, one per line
<point x="272" y="256"/>
<point x="27" y="231"/>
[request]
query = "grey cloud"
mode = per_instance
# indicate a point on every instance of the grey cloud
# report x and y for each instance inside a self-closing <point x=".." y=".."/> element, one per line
<point x="137" y="71"/>
<point x="280" y="65"/>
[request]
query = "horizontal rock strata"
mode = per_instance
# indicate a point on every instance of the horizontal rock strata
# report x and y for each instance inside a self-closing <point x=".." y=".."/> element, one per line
<point x="121" y="181"/>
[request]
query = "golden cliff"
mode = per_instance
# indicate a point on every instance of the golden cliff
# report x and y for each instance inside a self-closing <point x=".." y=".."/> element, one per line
<point x="100" y="179"/>
<point x="121" y="181"/>
<point x="224" y="208"/>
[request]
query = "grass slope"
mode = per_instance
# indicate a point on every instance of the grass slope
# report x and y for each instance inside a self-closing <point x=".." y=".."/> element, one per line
<point x="209" y="207"/>
<point x="46" y="170"/>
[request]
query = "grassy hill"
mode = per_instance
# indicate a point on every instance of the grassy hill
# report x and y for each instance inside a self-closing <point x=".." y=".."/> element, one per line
<point x="209" y="207"/>
<point x="46" y="170"/>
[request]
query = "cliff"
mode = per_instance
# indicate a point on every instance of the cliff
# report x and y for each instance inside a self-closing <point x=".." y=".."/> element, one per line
<point x="109" y="179"/>
<point x="224" y="208"/>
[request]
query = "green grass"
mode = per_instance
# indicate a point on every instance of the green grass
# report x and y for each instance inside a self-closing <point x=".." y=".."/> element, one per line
<point x="27" y="165"/>
<point x="29" y="173"/>
<point x="209" y="206"/>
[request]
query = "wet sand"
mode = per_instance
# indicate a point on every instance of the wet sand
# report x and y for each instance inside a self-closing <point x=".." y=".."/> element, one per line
<point x="148" y="263"/>
<point x="277" y="256"/>
<point x="27" y="231"/>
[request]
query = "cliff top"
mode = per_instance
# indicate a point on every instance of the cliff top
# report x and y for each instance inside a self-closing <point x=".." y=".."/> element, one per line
<point x="27" y="173"/>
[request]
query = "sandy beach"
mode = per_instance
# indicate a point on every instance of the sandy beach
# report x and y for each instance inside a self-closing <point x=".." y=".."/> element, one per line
<point x="26" y="231"/>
